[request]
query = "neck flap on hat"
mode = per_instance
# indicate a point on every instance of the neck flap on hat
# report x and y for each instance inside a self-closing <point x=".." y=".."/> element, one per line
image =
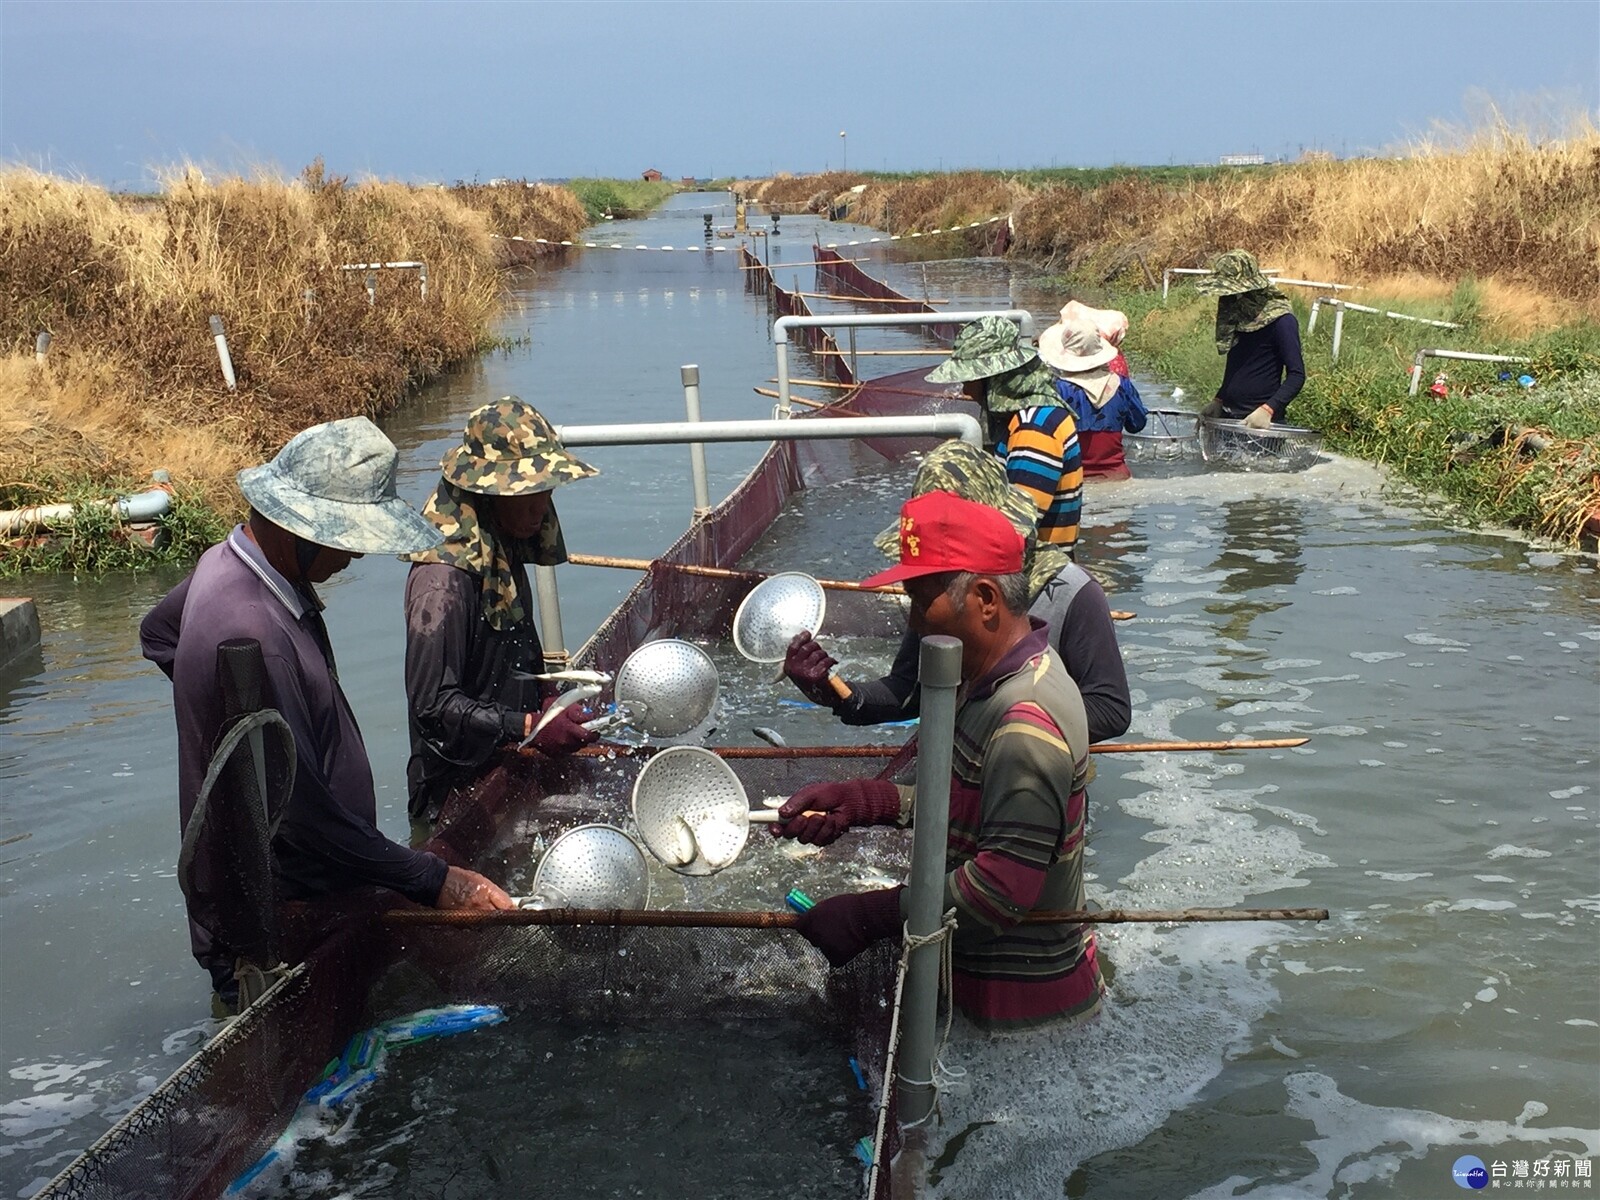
<point x="472" y="545"/>
<point x="1022" y="388"/>
<point x="1247" y="312"/>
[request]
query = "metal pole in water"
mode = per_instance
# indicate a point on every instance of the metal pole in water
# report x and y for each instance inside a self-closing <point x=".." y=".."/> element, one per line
<point x="785" y="409"/>
<point x="222" y="354"/>
<point x="550" y="635"/>
<point x="690" y="374"/>
<point x="939" y="672"/>
<point x="855" y="371"/>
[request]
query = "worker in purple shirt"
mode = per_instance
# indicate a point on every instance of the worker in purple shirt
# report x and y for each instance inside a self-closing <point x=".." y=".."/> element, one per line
<point x="1259" y="335"/>
<point x="327" y="498"/>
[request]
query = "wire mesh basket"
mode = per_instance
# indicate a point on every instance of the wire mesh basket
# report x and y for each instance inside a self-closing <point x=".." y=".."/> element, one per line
<point x="1275" y="448"/>
<point x="1170" y="435"/>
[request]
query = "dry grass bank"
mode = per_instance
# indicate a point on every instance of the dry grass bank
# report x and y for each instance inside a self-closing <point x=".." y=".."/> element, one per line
<point x="1522" y="217"/>
<point x="132" y="383"/>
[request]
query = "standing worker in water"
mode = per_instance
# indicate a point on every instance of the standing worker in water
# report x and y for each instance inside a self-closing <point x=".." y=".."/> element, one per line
<point x="1260" y="335"/>
<point x="1082" y="350"/>
<point x="326" y="499"/>
<point x="1017" y="804"/>
<point x="471" y="644"/>
<point x="1027" y="425"/>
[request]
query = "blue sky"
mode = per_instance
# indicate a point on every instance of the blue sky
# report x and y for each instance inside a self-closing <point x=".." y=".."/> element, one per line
<point x="448" y="91"/>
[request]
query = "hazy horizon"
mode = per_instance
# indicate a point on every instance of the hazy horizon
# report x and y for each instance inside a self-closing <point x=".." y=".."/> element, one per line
<point x="426" y="91"/>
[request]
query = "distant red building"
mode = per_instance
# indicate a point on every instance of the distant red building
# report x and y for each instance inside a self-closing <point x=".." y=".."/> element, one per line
<point x="651" y="176"/>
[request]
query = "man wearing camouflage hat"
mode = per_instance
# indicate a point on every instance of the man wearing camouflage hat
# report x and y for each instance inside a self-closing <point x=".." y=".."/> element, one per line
<point x="326" y="499"/>
<point x="1063" y="595"/>
<point x="471" y="643"/>
<point x="1028" y="426"/>
<point x="1260" y="335"/>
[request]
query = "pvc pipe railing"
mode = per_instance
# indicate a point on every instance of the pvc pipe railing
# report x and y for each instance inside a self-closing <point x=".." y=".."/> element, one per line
<point x="1467" y="355"/>
<point x="957" y="425"/>
<point x="141" y="506"/>
<point x="1277" y="272"/>
<point x="1339" y="307"/>
<point x="939" y="675"/>
<point x="782" y="326"/>
<point x="421" y="268"/>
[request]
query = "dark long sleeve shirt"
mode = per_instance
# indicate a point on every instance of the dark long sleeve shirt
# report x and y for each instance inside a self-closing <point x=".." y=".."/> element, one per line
<point x="1074" y="608"/>
<point x="328" y="838"/>
<point x="1263" y="367"/>
<point x="466" y="682"/>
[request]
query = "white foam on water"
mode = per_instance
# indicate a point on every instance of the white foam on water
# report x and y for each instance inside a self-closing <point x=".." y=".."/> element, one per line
<point x="1494" y="879"/>
<point x="1475" y="905"/>
<point x="1582" y="1021"/>
<point x="1569" y="793"/>
<point x="1486" y="995"/>
<point x="1399" y="876"/>
<point x="1337" y="591"/>
<point x="1506" y="850"/>
<point x="1364" y="1143"/>
<point x="1376" y="656"/>
<point x="1428" y="639"/>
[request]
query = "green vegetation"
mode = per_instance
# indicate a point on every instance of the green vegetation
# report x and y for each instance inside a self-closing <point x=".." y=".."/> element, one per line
<point x="93" y="539"/>
<point x="1498" y="452"/>
<point x="619" y="197"/>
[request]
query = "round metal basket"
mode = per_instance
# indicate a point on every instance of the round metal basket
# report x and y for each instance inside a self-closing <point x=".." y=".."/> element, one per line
<point x="1170" y="435"/>
<point x="592" y="866"/>
<point x="692" y="811"/>
<point x="776" y="609"/>
<point x="1275" y="448"/>
<point x="667" y="687"/>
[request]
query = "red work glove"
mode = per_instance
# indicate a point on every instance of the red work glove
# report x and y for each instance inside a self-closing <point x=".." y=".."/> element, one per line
<point x="843" y="926"/>
<point x="807" y="665"/>
<point x="819" y="812"/>
<point x="562" y="735"/>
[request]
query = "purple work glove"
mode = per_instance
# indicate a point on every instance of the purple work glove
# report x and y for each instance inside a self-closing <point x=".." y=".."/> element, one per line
<point x="563" y="735"/>
<point x="807" y="665"/>
<point x="819" y="812"/>
<point x="843" y="926"/>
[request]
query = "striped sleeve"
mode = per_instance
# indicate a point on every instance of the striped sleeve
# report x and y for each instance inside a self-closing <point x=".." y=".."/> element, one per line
<point x="1027" y="778"/>
<point x="1044" y="460"/>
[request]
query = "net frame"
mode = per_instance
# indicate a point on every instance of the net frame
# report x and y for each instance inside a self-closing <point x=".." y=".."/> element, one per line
<point x="1275" y="448"/>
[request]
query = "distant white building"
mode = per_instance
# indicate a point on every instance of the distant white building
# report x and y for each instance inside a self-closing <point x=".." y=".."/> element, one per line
<point x="1243" y="160"/>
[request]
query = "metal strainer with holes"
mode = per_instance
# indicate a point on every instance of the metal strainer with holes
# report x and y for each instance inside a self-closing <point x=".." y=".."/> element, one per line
<point x="667" y="687"/>
<point x="592" y="866"/>
<point x="692" y="810"/>
<point x="776" y="609"/>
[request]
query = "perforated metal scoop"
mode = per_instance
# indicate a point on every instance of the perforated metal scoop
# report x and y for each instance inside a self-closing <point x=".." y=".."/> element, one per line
<point x="692" y="810"/>
<point x="776" y="609"/>
<point x="666" y="688"/>
<point x="592" y="866"/>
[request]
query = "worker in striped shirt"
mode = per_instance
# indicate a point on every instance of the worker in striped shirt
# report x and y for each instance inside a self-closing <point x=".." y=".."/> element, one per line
<point x="1017" y="807"/>
<point x="1029" y="426"/>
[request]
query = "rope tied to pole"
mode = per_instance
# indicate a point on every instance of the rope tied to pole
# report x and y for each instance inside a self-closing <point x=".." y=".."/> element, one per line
<point x="944" y="938"/>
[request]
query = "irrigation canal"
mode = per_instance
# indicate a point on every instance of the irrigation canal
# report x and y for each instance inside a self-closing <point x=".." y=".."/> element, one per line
<point x="1444" y="809"/>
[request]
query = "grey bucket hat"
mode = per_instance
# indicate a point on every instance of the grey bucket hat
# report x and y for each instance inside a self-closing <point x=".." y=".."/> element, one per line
<point x="333" y="484"/>
<point x="985" y="347"/>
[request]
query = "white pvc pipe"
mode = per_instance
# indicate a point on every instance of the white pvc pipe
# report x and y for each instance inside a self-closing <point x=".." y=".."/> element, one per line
<point x="949" y="425"/>
<point x="223" y="356"/>
<point x="141" y="506"/>
<point x="41" y="346"/>
<point x="421" y="268"/>
<point x="1338" y="327"/>
<point x="1467" y="355"/>
<point x="690" y="374"/>
<point x="782" y="326"/>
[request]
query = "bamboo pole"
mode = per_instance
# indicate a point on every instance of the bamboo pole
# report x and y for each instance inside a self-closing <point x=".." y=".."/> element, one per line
<point x="889" y="353"/>
<point x="796" y="752"/>
<point x="816" y="262"/>
<point x="865" y="299"/>
<point x="688" y="919"/>
<point x="840" y="412"/>
<point x="876" y="389"/>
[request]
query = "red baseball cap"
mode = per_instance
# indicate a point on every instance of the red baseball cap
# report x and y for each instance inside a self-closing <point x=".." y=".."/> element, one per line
<point x="940" y="531"/>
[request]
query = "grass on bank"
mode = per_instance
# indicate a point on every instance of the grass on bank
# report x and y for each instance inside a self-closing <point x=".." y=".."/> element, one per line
<point x="132" y="382"/>
<point x="620" y="197"/>
<point x="1499" y="453"/>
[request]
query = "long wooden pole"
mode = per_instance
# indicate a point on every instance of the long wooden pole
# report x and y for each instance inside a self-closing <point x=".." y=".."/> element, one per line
<point x="838" y="412"/>
<point x="864" y="299"/>
<point x="837" y="585"/>
<point x="888" y="353"/>
<point x="686" y="919"/>
<point x="794" y="752"/>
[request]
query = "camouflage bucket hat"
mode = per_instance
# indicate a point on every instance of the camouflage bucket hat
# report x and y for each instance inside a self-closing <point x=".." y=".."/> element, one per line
<point x="509" y="449"/>
<point x="333" y="484"/>
<point x="972" y="474"/>
<point x="985" y="347"/>
<point x="1232" y="274"/>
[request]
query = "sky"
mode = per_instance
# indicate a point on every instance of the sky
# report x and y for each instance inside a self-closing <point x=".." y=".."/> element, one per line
<point x="440" y="91"/>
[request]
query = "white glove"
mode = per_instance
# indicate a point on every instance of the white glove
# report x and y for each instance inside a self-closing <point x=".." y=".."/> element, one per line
<point x="1260" y="418"/>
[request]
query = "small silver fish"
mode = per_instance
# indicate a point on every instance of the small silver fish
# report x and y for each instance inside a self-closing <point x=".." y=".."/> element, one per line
<point x="768" y="735"/>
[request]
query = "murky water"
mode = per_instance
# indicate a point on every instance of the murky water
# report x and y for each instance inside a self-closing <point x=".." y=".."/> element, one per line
<point x="1444" y="810"/>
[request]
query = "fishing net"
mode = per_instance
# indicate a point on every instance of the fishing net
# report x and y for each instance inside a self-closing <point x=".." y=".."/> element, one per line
<point x="220" y="1112"/>
<point x="1275" y="448"/>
